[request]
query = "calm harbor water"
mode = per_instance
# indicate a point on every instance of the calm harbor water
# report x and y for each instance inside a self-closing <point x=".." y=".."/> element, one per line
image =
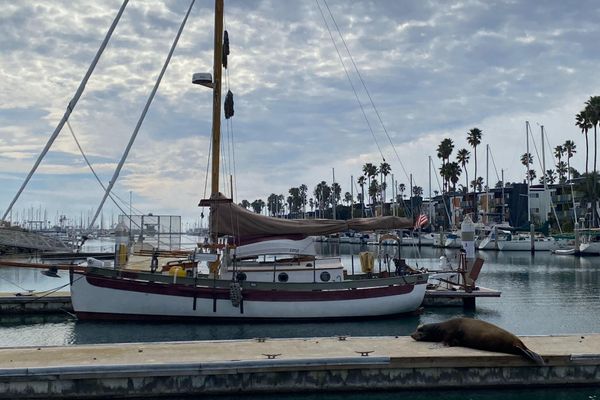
<point x="542" y="294"/>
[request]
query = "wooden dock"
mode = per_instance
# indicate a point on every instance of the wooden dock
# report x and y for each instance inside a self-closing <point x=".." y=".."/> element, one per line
<point x="458" y="297"/>
<point x="35" y="303"/>
<point x="59" y="302"/>
<point x="287" y="365"/>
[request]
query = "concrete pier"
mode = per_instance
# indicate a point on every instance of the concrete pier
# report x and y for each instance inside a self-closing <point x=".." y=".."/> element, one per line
<point x="287" y="365"/>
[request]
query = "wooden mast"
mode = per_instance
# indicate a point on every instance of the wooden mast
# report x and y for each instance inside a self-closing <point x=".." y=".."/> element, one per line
<point x="216" y="116"/>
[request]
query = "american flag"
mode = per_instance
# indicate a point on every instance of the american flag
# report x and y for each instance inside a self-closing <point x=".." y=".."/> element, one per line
<point x="421" y="221"/>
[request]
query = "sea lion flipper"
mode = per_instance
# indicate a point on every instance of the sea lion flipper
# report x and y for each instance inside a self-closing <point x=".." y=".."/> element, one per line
<point x="533" y="356"/>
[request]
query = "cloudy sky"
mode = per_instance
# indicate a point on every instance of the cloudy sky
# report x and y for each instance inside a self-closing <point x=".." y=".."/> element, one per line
<point x="433" y="70"/>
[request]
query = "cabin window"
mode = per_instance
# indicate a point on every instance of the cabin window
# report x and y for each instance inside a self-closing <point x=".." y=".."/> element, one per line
<point x="283" y="277"/>
<point x="325" y="276"/>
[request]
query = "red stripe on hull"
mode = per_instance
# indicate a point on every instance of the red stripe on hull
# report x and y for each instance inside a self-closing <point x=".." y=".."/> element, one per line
<point x="249" y="294"/>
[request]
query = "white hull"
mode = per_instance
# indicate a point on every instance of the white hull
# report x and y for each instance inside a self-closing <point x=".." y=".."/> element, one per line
<point x="115" y="298"/>
<point x="525" y="245"/>
<point x="590" y="248"/>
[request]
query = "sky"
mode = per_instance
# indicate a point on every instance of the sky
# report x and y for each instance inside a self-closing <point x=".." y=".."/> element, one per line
<point x="433" y="70"/>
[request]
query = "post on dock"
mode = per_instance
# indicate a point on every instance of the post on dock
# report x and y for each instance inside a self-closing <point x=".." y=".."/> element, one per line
<point x="467" y="236"/>
<point x="576" y="232"/>
<point x="532" y="237"/>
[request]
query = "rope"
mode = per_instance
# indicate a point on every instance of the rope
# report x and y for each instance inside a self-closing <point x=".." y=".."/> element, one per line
<point x="494" y="164"/>
<point x="362" y="109"/>
<point x="14" y="284"/>
<point x="142" y="116"/>
<point x="97" y="178"/>
<point x="366" y="90"/>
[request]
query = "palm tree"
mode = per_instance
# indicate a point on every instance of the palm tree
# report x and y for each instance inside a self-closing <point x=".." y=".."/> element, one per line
<point x="336" y="192"/>
<point x="348" y="198"/>
<point x="474" y="139"/>
<point x="592" y="110"/>
<point x="303" y="191"/>
<point x="583" y="122"/>
<point x="561" y="170"/>
<point x="454" y="172"/>
<point x="369" y="170"/>
<point x="527" y="159"/>
<point x="446" y="173"/>
<point x="462" y="157"/>
<point x="361" y="183"/>
<point x="245" y="204"/>
<point x="444" y="151"/>
<point x="559" y="151"/>
<point x="258" y="205"/>
<point x="477" y="184"/>
<point x="550" y="177"/>
<point x="373" y="190"/>
<point x="401" y="189"/>
<point x="569" y="147"/>
<point x="384" y="169"/>
<point x="322" y="193"/>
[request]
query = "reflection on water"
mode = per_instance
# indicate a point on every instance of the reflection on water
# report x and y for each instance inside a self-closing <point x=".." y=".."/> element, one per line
<point x="541" y="294"/>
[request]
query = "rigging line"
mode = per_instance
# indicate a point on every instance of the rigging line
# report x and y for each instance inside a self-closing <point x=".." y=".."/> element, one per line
<point x="94" y="172"/>
<point x="366" y="90"/>
<point x="537" y="153"/>
<point x="142" y="116"/>
<point x="442" y="192"/>
<point x="207" y="168"/>
<point x="350" y="81"/>
<point x="70" y="107"/>
<point x="549" y="146"/>
<point x="494" y="164"/>
<point x="17" y="285"/>
<point x="233" y="156"/>
<point x="225" y="168"/>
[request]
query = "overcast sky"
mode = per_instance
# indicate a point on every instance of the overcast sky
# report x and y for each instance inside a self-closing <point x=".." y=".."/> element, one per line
<point x="433" y="70"/>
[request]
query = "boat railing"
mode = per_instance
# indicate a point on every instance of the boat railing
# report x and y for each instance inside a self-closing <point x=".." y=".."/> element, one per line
<point x="206" y="281"/>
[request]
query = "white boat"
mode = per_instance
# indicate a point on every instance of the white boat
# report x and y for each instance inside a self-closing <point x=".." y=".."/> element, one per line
<point x="522" y="242"/>
<point x="275" y="279"/>
<point x="255" y="272"/>
<point x="589" y="248"/>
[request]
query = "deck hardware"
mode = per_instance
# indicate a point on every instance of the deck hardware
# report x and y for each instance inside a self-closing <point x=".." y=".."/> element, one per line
<point x="261" y="339"/>
<point x="364" y="353"/>
<point x="272" y="356"/>
<point x="342" y="338"/>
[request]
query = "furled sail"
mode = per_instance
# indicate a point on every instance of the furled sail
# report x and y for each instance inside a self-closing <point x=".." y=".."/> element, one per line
<point x="228" y="218"/>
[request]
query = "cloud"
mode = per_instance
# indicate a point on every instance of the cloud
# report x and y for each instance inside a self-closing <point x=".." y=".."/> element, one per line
<point x="433" y="69"/>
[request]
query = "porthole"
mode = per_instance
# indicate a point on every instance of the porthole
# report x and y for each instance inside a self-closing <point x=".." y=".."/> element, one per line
<point x="241" y="276"/>
<point x="325" y="276"/>
<point x="283" y="277"/>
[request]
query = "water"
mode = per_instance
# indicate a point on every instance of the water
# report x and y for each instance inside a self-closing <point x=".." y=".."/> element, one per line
<point x="542" y="294"/>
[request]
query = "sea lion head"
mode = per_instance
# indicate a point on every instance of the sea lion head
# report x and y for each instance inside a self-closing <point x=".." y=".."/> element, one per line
<point x="429" y="333"/>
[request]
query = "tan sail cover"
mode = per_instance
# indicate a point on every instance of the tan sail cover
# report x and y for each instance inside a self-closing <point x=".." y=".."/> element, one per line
<point x="231" y="219"/>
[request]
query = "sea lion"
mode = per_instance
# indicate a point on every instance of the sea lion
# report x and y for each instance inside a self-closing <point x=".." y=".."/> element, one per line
<point x="476" y="334"/>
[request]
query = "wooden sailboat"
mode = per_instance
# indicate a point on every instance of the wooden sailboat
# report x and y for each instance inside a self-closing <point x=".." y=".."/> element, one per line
<point x="258" y="268"/>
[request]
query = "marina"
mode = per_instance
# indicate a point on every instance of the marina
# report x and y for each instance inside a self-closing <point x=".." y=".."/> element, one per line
<point x="388" y="287"/>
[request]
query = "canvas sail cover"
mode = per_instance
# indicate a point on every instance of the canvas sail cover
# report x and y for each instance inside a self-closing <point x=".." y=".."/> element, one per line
<point x="227" y="218"/>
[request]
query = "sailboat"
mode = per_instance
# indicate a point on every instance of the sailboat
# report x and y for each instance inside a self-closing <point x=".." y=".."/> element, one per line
<point x="257" y="267"/>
